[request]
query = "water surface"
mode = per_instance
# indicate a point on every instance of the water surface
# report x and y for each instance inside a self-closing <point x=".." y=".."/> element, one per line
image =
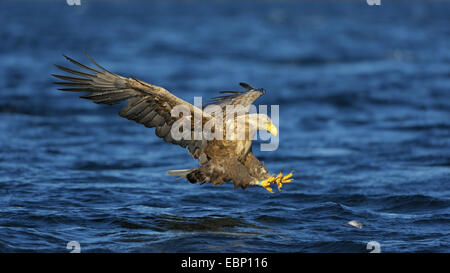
<point x="364" y="107"/>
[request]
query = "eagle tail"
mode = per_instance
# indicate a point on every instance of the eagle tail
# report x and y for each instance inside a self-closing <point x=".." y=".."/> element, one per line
<point x="180" y="173"/>
<point x="192" y="175"/>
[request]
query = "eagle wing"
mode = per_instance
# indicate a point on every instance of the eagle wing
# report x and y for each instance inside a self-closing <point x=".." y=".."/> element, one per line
<point x="235" y="98"/>
<point x="148" y="104"/>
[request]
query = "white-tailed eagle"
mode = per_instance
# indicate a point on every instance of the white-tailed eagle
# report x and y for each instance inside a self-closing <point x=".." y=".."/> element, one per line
<point x="220" y="160"/>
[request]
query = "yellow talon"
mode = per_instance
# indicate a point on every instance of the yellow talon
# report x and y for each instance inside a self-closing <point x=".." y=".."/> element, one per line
<point x="266" y="184"/>
<point x="279" y="180"/>
<point x="270" y="179"/>
<point x="279" y="185"/>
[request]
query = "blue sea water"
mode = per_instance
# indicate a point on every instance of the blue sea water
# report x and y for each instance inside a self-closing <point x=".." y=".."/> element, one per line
<point x="364" y="96"/>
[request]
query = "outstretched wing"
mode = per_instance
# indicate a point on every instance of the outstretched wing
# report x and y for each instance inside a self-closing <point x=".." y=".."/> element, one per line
<point x="235" y="98"/>
<point x="148" y="104"/>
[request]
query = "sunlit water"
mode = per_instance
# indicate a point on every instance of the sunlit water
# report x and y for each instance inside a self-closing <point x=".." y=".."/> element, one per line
<point x="364" y="95"/>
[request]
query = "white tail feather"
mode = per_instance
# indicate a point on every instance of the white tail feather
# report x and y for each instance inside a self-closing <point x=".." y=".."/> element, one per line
<point x="181" y="173"/>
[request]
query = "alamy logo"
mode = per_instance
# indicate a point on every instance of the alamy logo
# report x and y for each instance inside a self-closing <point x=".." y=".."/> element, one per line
<point x="374" y="246"/>
<point x="373" y="2"/>
<point x="229" y="123"/>
<point x="74" y="246"/>
<point x="73" y="2"/>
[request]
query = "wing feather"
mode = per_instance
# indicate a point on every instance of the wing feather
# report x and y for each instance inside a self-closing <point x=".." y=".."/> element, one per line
<point x="243" y="98"/>
<point x="148" y="104"/>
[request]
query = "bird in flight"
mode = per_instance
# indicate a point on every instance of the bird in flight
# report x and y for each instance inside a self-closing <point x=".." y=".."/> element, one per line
<point x="220" y="160"/>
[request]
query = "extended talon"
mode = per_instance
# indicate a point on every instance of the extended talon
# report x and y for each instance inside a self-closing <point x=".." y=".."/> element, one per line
<point x="266" y="183"/>
<point x="279" y="180"/>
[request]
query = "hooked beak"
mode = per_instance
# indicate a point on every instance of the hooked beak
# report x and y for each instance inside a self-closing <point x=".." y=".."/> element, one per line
<point x="272" y="128"/>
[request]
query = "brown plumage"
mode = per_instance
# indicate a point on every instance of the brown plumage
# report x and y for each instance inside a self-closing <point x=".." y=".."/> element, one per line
<point x="220" y="160"/>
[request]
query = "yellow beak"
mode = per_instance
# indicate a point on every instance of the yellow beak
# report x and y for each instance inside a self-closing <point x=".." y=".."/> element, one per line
<point x="272" y="128"/>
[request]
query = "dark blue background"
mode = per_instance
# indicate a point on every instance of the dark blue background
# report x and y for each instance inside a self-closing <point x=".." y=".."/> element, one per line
<point x="364" y="102"/>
